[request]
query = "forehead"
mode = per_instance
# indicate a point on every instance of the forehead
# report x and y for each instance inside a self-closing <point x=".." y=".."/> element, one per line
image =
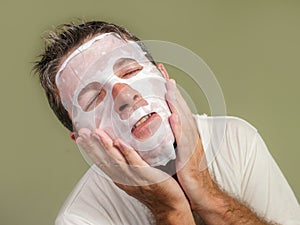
<point x="101" y="51"/>
<point x="80" y="60"/>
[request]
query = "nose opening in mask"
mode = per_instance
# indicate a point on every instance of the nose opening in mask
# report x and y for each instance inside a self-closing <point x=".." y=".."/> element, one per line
<point x="126" y="99"/>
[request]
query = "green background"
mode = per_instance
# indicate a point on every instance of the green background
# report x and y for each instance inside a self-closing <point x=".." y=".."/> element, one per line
<point x="251" y="46"/>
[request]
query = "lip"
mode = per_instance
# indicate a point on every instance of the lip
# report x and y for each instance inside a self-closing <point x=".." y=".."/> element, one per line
<point x="148" y="128"/>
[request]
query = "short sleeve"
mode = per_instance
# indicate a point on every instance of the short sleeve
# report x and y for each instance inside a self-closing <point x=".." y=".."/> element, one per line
<point x="265" y="188"/>
<point x="77" y="220"/>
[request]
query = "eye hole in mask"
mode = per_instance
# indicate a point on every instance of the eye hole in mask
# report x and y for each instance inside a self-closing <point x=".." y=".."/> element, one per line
<point x="91" y="96"/>
<point x="126" y="68"/>
<point x="94" y="93"/>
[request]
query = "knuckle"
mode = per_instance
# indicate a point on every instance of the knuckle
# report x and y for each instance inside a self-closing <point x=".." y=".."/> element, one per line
<point x="84" y="132"/>
<point x="101" y="164"/>
<point x="126" y="152"/>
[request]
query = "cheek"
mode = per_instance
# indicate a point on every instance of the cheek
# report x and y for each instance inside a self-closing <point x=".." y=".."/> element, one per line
<point x="98" y="119"/>
<point x="150" y="86"/>
<point x="102" y="113"/>
<point x="159" y="89"/>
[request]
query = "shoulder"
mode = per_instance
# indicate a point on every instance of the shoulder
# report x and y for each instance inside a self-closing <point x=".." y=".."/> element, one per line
<point x="239" y="124"/>
<point x="227" y="140"/>
<point x="225" y="129"/>
<point x="229" y="122"/>
<point x="69" y="219"/>
<point x="241" y="131"/>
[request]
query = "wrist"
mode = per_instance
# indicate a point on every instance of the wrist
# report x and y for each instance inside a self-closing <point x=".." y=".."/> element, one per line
<point x="171" y="215"/>
<point x="211" y="201"/>
<point x="202" y="191"/>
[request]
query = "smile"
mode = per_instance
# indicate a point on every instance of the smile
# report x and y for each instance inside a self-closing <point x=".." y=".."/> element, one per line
<point x="142" y="120"/>
<point x="146" y="126"/>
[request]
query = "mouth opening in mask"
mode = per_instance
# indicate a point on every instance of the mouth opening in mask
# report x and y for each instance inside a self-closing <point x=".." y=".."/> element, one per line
<point x="146" y="126"/>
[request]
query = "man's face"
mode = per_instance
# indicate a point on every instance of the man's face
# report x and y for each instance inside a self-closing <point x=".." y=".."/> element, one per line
<point x="110" y="84"/>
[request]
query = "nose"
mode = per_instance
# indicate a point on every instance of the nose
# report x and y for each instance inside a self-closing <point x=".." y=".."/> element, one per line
<point x="126" y="100"/>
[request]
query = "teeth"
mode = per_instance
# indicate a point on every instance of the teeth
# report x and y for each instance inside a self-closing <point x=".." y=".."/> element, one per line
<point x="142" y="120"/>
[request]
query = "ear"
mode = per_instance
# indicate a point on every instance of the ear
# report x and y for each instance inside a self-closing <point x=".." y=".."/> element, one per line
<point x="163" y="70"/>
<point x="72" y="136"/>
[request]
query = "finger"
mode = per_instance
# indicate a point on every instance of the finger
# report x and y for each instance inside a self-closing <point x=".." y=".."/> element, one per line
<point x="112" y="152"/>
<point x="176" y="125"/>
<point x="85" y="142"/>
<point x="175" y="100"/>
<point x="93" y="149"/>
<point x="108" y="144"/>
<point x="84" y="132"/>
<point x="104" y="138"/>
<point x="131" y="156"/>
<point x="171" y="95"/>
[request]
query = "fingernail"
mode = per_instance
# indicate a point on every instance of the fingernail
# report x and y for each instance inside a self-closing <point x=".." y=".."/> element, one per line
<point x="116" y="143"/>
<point x="84" y="135"/>
<point x="123" y="145"/>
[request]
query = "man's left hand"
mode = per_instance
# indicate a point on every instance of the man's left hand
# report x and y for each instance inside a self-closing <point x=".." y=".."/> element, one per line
<point x="191" y="167"/>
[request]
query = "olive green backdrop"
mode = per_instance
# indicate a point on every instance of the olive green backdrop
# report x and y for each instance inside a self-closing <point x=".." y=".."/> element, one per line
<point x="252" y="47"/>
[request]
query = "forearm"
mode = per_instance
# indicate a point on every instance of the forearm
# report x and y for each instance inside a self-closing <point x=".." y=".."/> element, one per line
<point x="212" y="204"/>
<point x="172" y="214"/>
<point x="227" y="210"/>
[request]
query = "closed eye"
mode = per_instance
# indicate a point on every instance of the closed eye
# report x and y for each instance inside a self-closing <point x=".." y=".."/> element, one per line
<point x="91" y="102"/>
<point x="95" y="100"/>
<point x="126" y="68"/>
<point x="91" y="95"/>
<point x="132" y="72"/>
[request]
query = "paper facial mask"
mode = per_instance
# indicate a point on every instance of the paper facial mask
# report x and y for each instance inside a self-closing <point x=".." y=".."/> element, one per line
<point x="109" y="83"/>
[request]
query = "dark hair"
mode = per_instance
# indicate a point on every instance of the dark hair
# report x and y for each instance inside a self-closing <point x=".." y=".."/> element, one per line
<point x="59" y="43"/>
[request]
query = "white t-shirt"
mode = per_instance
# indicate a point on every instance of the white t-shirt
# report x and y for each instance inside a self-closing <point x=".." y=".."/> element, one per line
<point x="238" y="160"/>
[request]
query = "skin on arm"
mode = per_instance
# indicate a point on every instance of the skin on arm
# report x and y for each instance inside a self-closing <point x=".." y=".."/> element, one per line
<point x="119" y="161"/>
<point x="212" y="204"/>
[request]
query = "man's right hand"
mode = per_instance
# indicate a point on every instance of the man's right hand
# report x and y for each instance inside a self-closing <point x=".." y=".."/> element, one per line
<point x="154" y="188"/>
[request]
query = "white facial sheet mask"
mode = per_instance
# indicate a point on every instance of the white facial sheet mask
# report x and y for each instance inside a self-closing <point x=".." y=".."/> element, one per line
<point x="127" y="97"/>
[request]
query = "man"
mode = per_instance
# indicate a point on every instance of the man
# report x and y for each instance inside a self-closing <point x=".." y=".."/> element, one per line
<point x="150" y="153"/>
